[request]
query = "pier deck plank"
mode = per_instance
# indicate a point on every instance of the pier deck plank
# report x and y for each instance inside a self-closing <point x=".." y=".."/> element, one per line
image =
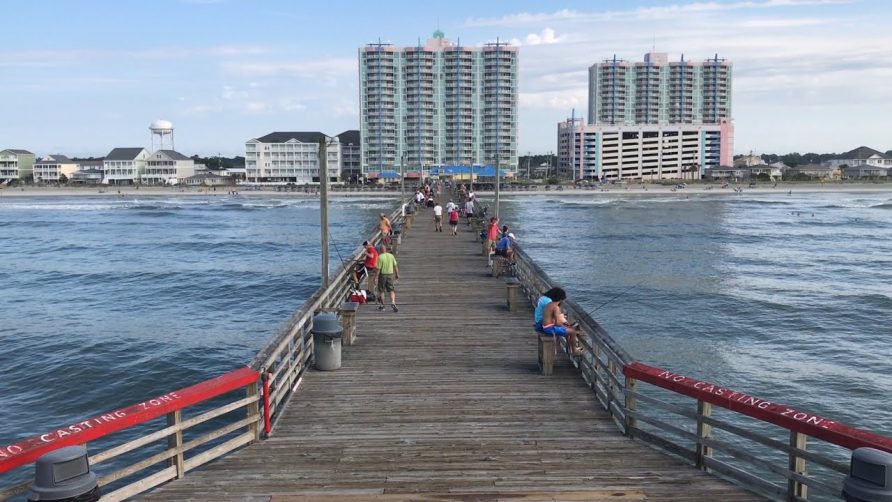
<point x="443" y="401"/>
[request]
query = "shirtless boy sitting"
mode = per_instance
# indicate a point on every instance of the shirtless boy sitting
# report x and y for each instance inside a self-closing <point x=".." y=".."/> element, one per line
<point x="554" y="323"/>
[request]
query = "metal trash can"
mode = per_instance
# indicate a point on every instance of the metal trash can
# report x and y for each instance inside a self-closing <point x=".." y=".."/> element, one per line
<point x="870" y="477"/>
<point x="64" y="475"/>
<point x="327" y="332"/>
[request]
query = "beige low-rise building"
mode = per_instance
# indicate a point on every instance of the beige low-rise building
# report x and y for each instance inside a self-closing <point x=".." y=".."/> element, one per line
<point x="814" y="171"/>
<point x="207" y="179"/>
<point x="54" y="169"/>
<point x="167" y="167"/>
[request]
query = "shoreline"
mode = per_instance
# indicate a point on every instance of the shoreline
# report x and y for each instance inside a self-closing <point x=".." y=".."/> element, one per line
<point x="637" y="190"/>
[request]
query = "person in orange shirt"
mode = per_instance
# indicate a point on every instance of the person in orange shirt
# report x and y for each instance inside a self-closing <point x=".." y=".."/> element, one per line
<point x="492" y="233"/>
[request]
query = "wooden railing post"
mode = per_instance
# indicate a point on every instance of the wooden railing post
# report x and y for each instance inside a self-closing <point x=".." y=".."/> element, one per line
<point x="630" y="422"/>
<point x="596" y="364"/>
<point x="795" y="489"/>
<point x="253" y="410"/>
<point x="175" y="442"/>
<point x="611" y="386"/>
<point x="704" y="431"/>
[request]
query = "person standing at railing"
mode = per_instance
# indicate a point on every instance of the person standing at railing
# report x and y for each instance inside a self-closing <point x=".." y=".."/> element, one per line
<point x="385" y="227"/>
<point x="369" y="266"/>
<point x="492" y="233"/>
<point x="388" y="274"/>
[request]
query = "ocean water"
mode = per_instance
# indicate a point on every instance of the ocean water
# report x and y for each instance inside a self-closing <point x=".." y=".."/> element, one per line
<point x="107" y="302"/>
<point x="785" y="297"/>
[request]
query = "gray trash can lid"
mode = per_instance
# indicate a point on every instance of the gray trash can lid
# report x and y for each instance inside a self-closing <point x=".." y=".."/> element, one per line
<point x="61" y="474"/>
<point x="326" y="323"/>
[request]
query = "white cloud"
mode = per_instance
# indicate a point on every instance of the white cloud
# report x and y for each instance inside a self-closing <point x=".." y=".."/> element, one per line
<point x="256" y="107"/>
<point x="545" y="37"/>
<point x="524" y="18"/>
<point x="291" y="105"/>
<point x="329" y="67"/>
<point x="556" y="100"/>
<point x="73" y="57"/>
<point x="784" y="23"/>
<point x="681" y="9"/>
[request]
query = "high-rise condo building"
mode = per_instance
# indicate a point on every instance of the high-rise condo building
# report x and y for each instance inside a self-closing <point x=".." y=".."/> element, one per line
<point x="652" y="119"/>
<point x="656" y="91"/>
<point x="437" y="104"/>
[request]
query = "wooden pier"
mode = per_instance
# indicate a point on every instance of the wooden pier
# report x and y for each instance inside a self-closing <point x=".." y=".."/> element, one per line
<point x="444" y="401"/>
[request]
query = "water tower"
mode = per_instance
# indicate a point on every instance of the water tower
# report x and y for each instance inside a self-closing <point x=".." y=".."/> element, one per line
<point x="160" y="130"/>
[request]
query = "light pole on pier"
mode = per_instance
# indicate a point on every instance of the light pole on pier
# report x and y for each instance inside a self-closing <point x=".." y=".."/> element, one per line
<point x="323" y="207"/>
<point x="402" y="179"/>
<point x="496" y="214"/>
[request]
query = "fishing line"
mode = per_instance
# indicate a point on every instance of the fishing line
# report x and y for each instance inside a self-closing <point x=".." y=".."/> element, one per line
<point x="335" y="244"/>
<point x="621" y="293"/>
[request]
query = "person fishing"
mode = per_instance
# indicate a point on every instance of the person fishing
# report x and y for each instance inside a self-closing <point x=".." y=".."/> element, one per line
<point x="550" y="319"/>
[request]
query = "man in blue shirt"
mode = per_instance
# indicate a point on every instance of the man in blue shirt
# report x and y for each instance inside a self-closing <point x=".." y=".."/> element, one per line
<point x="504" y="248"/>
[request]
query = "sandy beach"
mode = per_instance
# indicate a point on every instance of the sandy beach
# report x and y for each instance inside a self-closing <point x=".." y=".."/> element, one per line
<point x="637" y="189"/>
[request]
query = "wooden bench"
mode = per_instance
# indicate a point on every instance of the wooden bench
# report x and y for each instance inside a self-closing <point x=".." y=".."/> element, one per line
<point x="546" y="353"/>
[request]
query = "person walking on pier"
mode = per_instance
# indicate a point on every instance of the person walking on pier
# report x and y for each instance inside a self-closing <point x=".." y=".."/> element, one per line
<point x="388" y="274"/>
<point x="453" y="220"/>
<point x="469" y="210"/>
<point x="438" y="218"/>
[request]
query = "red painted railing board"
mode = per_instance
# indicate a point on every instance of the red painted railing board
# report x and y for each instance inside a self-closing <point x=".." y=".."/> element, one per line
<point x="760" y="409"/>
<point x="31" y="449"/>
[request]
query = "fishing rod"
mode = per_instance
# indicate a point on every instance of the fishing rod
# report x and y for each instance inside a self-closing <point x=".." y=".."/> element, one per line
<point x="621" y="293"/>
<point x="335" y="244"/>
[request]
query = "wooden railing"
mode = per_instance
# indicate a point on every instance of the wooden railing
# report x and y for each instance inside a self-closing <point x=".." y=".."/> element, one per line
<point x="182" y="436"/>
<point x="284" y="359"/>
<point x="765" y="445"/>
<point x="761" y="445"/>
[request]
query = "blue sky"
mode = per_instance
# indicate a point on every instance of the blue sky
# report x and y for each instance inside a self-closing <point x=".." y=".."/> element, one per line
<point x="82" y="77"/>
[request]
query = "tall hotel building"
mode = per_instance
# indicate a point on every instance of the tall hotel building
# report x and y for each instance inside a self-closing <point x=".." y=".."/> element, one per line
<point x="651" y="120"/>
<point x="437" y="105"/>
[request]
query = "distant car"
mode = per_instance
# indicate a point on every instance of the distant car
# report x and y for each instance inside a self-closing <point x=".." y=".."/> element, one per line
<point x="753" y="184"/>
<point x="681" y="185"/>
